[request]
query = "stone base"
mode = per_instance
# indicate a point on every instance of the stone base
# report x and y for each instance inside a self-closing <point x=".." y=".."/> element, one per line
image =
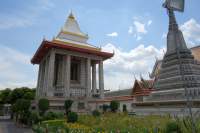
<point x="178" y="73"/>
<point x="170" y="107"/>
<point x="174" y="94"/>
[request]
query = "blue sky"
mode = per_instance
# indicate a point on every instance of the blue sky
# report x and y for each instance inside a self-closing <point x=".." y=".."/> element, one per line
<point x="135" y="29"/>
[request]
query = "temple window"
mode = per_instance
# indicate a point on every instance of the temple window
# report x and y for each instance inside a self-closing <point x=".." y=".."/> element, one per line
<point x="75" y="71"/>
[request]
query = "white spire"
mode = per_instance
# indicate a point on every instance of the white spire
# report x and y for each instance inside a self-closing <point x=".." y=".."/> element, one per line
<point x="71" y="34"/>
<point x="71" y="31"/>
<point x="72" y="26"/>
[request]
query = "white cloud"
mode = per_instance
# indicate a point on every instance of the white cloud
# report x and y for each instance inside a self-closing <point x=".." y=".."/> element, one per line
<point x="113" y="34"/>
<point x="120" y="70"/>
<point x="46" y="4"/>
<point x="130" y="30"/>
<point x="140" y="27"/>
<point x="7" y="22"/>
<point x="24" y="17"/>
<point x="149" y="22"/>
<point x="15" y="68"/>
<point x="191" y="31"/>
<point x="138" y="38"/>
<point x="164" y="36"/>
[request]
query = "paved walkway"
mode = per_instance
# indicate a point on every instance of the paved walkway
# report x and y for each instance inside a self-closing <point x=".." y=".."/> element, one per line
<point x="7" y="126"/>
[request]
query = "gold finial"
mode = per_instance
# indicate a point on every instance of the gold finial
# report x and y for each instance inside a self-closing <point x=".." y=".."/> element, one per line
<point x="71" y="15"/>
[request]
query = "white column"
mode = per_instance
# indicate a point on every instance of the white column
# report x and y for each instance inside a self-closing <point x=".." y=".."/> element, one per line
<point x="67" y="75"/>
<point x="94" y="84"/>
<point x="39" y="81"/>
<point x="50" y="83"/>
<point x="42" y="87"/>
<point x="101" y="79"/>
<point x="88" y="89"/>
<point x="45" y="81"/>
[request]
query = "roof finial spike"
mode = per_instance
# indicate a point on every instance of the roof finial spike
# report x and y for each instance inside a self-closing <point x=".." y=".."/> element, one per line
<point x="149" y="75"/>
<point x="134" y="76"/>
<point x="71" y="15"/>
<point x="44" y="38"/>
<point x="163" y="52"/>
<point x="141" y="76"/>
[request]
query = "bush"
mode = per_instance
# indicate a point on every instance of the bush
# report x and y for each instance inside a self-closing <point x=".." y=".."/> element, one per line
<point x="43" y="105"/>
<point x="59" y="115"/>
<point x="96" y="113"/>
<point x="68" y="104"/>
<point x="114" y="105"/>
<point x="34" y="118"/>
<point x="172" y="127"/>
<point x="72" y="117"/>
<point x="50" y="116"/>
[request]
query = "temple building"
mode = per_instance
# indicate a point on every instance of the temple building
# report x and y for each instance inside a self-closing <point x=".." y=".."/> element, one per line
<point x="68" y="68"/>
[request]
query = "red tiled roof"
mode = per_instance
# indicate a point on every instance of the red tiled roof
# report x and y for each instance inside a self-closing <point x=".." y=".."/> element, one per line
<point x="47" y="45"/>
<point x="146" y="84"/>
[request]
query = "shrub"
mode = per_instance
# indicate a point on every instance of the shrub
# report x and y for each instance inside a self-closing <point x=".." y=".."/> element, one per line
<point x="68" y="104"/>
<point x="43" y="105"/>
<point x="50" y="116"/>
<point x="34" y="118"/>
<point x="72" y="117"/>
<point x="96" y="113"/>
<point x="114" y="105"/>
<point x="59" y="115"/>
<point x="172" y="127"/>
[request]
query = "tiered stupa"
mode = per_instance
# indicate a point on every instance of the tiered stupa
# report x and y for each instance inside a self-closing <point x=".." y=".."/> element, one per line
<point x="180" y="72"/>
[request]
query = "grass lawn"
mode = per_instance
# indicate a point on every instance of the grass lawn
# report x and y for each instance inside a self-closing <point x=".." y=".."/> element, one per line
<point x="117" y="123"/>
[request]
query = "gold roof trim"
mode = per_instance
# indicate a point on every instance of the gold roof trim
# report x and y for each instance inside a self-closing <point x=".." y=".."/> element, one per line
<point x="74" y="34"/>
<point x="76" y="45"/>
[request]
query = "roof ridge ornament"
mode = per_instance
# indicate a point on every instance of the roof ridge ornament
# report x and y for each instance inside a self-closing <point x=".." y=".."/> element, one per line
<point x="71" y="15"/>
<point x="175" y="5"/>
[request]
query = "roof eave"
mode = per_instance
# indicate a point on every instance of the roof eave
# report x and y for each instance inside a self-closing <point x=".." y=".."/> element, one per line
<point x="48" y="45"/>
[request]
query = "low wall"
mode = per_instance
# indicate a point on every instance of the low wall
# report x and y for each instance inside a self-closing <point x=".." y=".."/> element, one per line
<point x="173" y="111"/>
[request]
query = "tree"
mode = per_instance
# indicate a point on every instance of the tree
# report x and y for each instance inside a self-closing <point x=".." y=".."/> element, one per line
<point x="114" y="105"/>
<point x="21" y="110"/>
<point x="29" y="95"/>
<point x="5" y="96"/>
<point x="68" y="104"/>
<point x="22" y="93"/>
<point x="43" y="105"/>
